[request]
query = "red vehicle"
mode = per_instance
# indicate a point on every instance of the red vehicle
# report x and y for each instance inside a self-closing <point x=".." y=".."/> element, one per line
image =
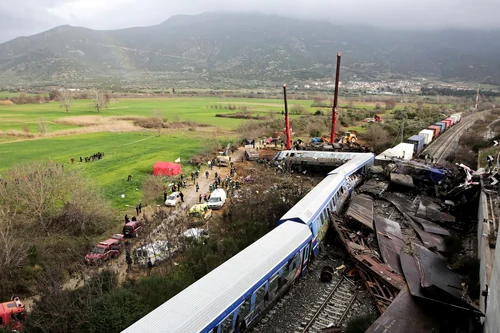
<point x="131" y="229"/>
<point x="108" y="249"/>
<point x="12" y="315"/>
<point x="117" y="236"/>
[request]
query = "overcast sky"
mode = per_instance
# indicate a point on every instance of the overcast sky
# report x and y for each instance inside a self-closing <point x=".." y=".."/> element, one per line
<point x="26" y="17"/>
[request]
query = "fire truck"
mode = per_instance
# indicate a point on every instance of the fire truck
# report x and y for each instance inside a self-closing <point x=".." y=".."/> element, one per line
<point x="12" y="315"/>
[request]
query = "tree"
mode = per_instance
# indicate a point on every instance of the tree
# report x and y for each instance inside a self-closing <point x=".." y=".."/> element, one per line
<point x="100" y="99"/>
<point x="390" y="104"/>
<point x="377" y="137"/>
<point x="53" y="94"/>
<point x="65" y="97"/>
<point x="51" y="198"/>
<point x="158" y="117"/>
<point x="298" y="109"/>
<point x="13" y="252"/>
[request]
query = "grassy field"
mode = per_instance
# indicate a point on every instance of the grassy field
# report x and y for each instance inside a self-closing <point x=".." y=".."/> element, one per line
<point x="125" y="153"/>
<point x="175" y="109"/>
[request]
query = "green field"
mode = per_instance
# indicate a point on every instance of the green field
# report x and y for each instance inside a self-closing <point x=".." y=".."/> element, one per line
<point x="195" y="109"/>
<point x="125" y="153"/>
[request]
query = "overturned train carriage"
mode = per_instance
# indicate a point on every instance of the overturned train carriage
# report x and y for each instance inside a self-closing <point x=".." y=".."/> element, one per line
<point x="329" y="195"/>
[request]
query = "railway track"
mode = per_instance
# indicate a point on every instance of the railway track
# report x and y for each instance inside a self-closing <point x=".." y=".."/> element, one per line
<point x="440" y="148"/>
<point x="331" y="309"/>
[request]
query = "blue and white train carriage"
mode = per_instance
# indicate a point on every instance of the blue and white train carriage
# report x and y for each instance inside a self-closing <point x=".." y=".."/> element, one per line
<point x="329" y="195"/>
<point x="233" y="296"/>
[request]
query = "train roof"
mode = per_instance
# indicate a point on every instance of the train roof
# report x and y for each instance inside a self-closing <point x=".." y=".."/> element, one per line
<point x="355" y="162"/>
<point x="213" y="297"/>
<point x="311" y="203"/>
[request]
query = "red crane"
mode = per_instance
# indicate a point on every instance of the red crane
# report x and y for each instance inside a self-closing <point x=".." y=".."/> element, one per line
<point x="335" y="100"/>
<point x="287" y="121"/>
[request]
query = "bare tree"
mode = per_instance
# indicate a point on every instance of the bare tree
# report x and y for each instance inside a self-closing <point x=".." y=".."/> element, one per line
<point x="13" y="252"/>
<point x="376" y="137"/>
<point x="158" y="116"/>
<point x="100" y="99"/>
<point x="43" y="126"/>
<point x="65" y="97"/>
<point x="390" y="104"/>
<point x="54" y="199"/>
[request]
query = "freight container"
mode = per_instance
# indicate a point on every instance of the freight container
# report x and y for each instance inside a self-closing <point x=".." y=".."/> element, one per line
<point x="401" y="151"/>
<point x="418" y="143"/>
<point x="442" y="126"/>
<point x="452" y="121"/>
<point x="405" y="150"/>
<point x="436" y="129"/>
<point x="427" y="134"/>
<point x="459" y="115"/>
<point x="447" y="123"/>
<point x="455" y="119"/>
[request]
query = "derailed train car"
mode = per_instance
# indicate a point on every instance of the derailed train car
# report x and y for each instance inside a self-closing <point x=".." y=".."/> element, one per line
<point x="329" y="195"/>
<point x="233" y="296"/>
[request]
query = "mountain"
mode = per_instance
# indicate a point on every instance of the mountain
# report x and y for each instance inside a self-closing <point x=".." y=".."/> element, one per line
<point x="243" y="50"/>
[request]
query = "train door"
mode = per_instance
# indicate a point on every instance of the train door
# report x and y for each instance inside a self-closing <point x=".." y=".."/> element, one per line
<point x="259" y="298"/>
<point x="273" y="287"/>
<point x="307" y="252"/>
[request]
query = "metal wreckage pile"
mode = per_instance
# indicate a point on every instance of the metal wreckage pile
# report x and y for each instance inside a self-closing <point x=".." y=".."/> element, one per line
<point x="399" y="231"/>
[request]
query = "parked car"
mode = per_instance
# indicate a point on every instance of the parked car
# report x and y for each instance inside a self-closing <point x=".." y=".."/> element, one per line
<point x="108" y="249"/>
<point x="198" y="214"/>
<point x="173" y="199"/>
<point x="131" y="229"/>
<point x="251" y="154"/>
<point x="217" y="199"/>
<point x="157" y="251"/>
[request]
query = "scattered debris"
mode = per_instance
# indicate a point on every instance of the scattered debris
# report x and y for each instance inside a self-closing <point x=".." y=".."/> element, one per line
<point x="375" y="187"/>
<point x="405" y="315"/>
<point x="361" y="210"/>
<point x="402" y="180"/>
<point x="390" y="241"/>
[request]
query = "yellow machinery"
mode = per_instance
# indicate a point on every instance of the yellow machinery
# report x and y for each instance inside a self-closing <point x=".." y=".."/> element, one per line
<point x="348" y="137"/>
<point x="198" y="214"/>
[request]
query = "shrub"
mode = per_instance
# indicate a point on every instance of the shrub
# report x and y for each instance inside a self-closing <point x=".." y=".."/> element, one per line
<point x="315" y="133"/>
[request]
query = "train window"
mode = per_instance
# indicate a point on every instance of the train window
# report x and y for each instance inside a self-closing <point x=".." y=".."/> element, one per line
<point x="273" y="286"/>
<point x="227" y="325"/>
<point x="259" y="296"/>
<point x="295" y="264"/>
<point x="215" y="329"/>
<point x="306" y="252"/>
<point x="244" y="309"/>
<point x="286" y="271"/>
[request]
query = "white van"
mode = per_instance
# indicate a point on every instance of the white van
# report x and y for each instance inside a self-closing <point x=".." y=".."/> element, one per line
<point x="157" y="251"/>
<point x="217" y="199"/>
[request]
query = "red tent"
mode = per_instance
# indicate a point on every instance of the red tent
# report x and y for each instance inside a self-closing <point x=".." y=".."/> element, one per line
<point x="166" y="169"/>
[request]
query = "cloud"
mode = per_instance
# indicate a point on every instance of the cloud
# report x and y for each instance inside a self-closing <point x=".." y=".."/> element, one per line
<point x="32" y="16"/>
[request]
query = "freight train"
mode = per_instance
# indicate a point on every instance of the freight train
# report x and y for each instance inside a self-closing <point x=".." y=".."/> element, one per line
<point x="426" y="136"/>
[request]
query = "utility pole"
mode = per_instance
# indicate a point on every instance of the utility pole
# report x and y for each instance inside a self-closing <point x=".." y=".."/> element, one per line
<point x="477" y="98"/>
<point x="287" y="121"/>
<point x="333" y="132"/>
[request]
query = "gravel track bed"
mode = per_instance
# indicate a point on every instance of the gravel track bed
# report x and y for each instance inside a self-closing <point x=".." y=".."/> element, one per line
<point x="289" y="312"/>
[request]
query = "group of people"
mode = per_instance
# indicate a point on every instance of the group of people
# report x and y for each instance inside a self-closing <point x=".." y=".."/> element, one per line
<point x="95" y="157"/>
